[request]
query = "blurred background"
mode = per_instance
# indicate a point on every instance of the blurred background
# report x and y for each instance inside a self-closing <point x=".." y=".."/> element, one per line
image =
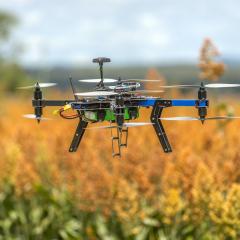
<point x="48" y="193"/>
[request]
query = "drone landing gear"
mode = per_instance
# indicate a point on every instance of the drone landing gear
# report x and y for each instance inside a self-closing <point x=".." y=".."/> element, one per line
<point x="157" y="124"/>
<point x="78" y="135"/>
<point x="119" y="140"/>
<point x="124" y="137"/>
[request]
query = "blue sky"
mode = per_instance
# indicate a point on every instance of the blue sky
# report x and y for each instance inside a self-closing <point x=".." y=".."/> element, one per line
<point x="129" y="31"/>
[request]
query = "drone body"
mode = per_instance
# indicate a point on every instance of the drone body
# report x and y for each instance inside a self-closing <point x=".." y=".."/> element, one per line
<point x="120" y="104"/>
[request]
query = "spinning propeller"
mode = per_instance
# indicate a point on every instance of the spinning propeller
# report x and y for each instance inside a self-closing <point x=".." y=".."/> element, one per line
<point x="146" y="91"/>
<point x="187" y="118"/>
<point x="96" y="94"/>
<point x="33" y="116"/>
<point x="210" y="85"/>
<point x="41" y="85"/>
<point x="133" y="124"/>
<point x="37" y="97"/>
<point x="97" y="80"/>
<point x="111" y="80"/>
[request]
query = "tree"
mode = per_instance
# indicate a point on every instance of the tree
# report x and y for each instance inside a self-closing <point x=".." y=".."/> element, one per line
<point x="210" y="68"/>
<point x="7" y="22"/>
<point x="11" y="73"/>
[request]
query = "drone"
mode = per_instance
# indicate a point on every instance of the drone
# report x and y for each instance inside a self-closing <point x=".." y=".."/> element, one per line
<point x="119" y="105"/>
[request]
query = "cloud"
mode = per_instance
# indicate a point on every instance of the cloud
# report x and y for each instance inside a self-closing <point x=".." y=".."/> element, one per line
<point x="128" y="31"/>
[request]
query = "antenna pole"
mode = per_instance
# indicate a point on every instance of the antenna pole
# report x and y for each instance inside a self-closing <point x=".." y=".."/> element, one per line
<point x="73" y="89"/>
<point x="101" y="84"/>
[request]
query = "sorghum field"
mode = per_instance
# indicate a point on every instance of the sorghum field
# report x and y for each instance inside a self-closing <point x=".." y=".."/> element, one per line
<point x="48" y="193"/>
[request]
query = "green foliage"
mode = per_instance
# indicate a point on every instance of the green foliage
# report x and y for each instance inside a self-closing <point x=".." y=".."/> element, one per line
<point x="48" y="215"/>
<point x="53" y="214"/>
<point x="7" y="21"/>
<point x="11" y="74"/>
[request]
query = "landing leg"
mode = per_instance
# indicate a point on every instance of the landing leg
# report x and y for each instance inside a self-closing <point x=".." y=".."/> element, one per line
<point x="157" y="124"/>
<point x="78" y="135"/>
<point x="116" y="142"/>
<point x="124" y="137"/>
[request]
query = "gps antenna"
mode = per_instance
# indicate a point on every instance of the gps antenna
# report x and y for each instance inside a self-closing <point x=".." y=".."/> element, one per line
<point x="100" y="61"/>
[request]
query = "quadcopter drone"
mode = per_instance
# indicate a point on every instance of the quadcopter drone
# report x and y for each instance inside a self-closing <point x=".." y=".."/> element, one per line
<point x="119" y="104"/>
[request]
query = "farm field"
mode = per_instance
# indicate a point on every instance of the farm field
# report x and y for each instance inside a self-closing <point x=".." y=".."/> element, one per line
<point x="48" y="193"/>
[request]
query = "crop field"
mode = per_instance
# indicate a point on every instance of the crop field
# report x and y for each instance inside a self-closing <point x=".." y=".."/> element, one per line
<point x="166" y="49"/>
<point x="48" y="193"/>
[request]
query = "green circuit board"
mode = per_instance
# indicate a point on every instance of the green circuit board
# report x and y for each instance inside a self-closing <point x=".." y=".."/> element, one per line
<point x="110" y="116"/>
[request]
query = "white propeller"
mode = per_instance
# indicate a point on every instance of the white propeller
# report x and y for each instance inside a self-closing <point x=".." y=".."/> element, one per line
<point x="210" y="85"/>
<point x="119" y="87"/>
<point x="141" y="80"/>
<point x="186" y="118"/>
<point x="147" y="91"/>
<point x="41" y="85"/>
<point x="221" y="85"/>
<point x="95" y="94"/>
<point x="133" y="124"/>
<point x="111" y="80"/>
<point x="137" y="124"/>
<point x="97" y="80"/>
<point x="179" y="86"/>
<point x="33" y="116"/>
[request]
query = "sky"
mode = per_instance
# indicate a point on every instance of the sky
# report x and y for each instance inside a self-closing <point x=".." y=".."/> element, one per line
<point x="73" y="32"/>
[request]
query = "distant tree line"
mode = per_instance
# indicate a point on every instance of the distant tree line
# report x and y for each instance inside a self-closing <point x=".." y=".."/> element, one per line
<point x="11" y="73"/>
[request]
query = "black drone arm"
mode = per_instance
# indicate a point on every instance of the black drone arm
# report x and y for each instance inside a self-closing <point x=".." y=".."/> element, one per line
<point x="157" y="124"/>
<point x="50" y="103"/>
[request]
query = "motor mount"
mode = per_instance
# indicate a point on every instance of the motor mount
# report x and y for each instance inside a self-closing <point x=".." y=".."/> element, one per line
<point x="202" y="95"/>
<point x="37" y="95"/>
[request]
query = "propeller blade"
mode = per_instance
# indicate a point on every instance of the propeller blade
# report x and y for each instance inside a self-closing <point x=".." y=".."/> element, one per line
<point x="93" y="109"/>
<point x="95" y="94"/>
<point x="141" y="80"/>
<point x="222" y="117"/>
<point x="186" y="118"/>
<point x="99" y="108"/>
<point x="221" y="85"/>
<point x="210" y="85"/>
<point x="146" y="91"/>
<point x="134" y="124"/>
<point x="41" y="85"/>
<point x="180" y="86"/>
<point x="119" y="87"/>
<point x="111" y="80"/>
<point x="33" y="116"/>
<point x="97" y="80"/>
<point x="137" y="124"/>
<point x="100" y="127"/>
